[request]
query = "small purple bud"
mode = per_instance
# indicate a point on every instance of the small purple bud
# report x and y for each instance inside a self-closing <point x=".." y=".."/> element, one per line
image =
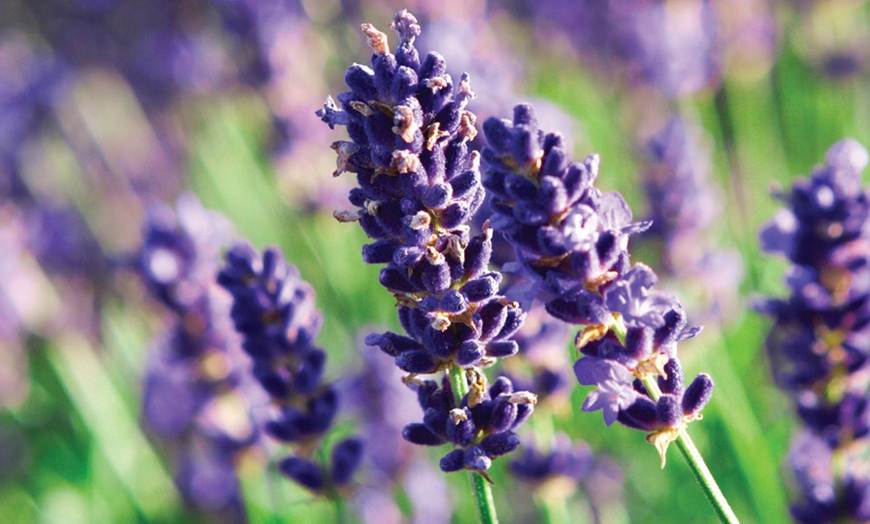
<point x="640" y="415"/>
<point x="461" y="432"/>
<point x="416" y="361"/>
<point x="475" y="458"/>
<point x="668" y="411"/>
<point x="503" y="415"/>
<point x="675" y="382"/>
<point x="500" y="443"/>
<point x="501" y="386"/>
<point x="481" y="288"/>
<point x="453" y="461"/>
<point x="380" y="252"/>
<point x="417" y="433"/>
<point x="470" y="352"/>
<point x="304" y="472"/>
<point x="392" y="344"/>
<point x="346" y="458"/>
<point x="697" y="394"/>
<point x="502" y="349"/>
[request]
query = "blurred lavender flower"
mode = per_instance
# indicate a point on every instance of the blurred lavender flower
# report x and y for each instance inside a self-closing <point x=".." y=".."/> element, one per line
<point x="544" y="368"/>
<point x="379" y="399"/>
<point x="273" y="309"/>
<point x="684" y="202"/>
<point x="196" y="395"/>
<point x="564" y="460"/>
<point x="571" y="242"/>
<point x="818" y="345"/>
<point x="671" y="46"/>
<point x="832" y="37"/>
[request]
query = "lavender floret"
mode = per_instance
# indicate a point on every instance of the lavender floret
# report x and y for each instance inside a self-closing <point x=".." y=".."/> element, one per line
<point x="480" y="428"/>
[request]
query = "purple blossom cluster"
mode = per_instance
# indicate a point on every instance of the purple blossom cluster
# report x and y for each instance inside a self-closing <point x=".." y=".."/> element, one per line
<point x="273" y="309"/>
<point x="818" y="344"/>
<point x="480" y="427"/>
<point x="196" y="394"/>
<point x="571" y="242"/>
<point x="419" y="187"/>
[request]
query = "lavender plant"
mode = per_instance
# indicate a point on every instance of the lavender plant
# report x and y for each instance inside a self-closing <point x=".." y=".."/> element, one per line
<point x="196" y="396"/>
<point x="684" y="203"/>
<point x="273" y="309"/>
<point x="571" y="242"/>
<point x="419" y="187"/>
<point x="818" y="344"/>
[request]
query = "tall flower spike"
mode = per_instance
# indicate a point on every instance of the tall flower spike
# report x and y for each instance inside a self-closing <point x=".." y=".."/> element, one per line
<point x="818" y="344"/>
<point x="419" y="186"/>
<point x="196" y="397"/>
<point x="273" y="309"/>
<point x="571" y="242"/>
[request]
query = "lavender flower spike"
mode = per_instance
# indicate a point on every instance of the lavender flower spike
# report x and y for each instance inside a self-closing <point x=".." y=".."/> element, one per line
<point x="273" y="309"/>
<point x="571" y="242"/>
<point x="818" y="344"/>
<point x="419" y="186"/>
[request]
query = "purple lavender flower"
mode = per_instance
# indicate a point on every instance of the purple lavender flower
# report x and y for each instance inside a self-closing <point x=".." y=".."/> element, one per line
<point x="669" y="46"/>
<point x="480" y="428"/>
<point x="571" y="242"/>
<point x="419" y="187"/>
<point x="381" y="403"/>
<point x="273" y="309"/>
<point x="683" y="204"/>
<point x="564" y="460"/>
<point x="196" y="396"/>
<point x="818" y="344"/>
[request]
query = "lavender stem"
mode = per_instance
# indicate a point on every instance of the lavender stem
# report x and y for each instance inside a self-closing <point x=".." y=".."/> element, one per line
<point x="697" y="465"/>
<point x="486" y="512"/>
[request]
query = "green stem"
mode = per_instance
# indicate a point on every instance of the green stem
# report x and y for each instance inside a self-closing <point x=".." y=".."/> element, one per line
<point x="697" y="465"/>
<point x="479" y="486"/>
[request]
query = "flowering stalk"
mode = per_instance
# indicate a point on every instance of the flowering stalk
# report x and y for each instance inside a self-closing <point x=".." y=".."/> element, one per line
<point x="419" y="187"/>
<point x="818" y="345"/>
<point x="572" y="247"/>
<point x="196" y="396"/>
<point x="273" y="309"/>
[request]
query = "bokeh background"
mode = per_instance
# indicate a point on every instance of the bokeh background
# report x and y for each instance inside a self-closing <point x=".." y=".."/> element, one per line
<point x="110" y="109"/>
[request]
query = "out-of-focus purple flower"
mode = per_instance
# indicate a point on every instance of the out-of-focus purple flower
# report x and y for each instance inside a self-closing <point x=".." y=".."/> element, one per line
<point x="671" y="46"/>
<point x="571" y="241"/>
<point x="826" y="496"/>
<point x="544" y="368"/>
<point x="841" y="56"/>
<point x="196" y="397"/>
<point x="683" y="204"/>
<point x="273" y="309"/>
<point x="564" y="459"/>
<point x="818" y="344"/>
